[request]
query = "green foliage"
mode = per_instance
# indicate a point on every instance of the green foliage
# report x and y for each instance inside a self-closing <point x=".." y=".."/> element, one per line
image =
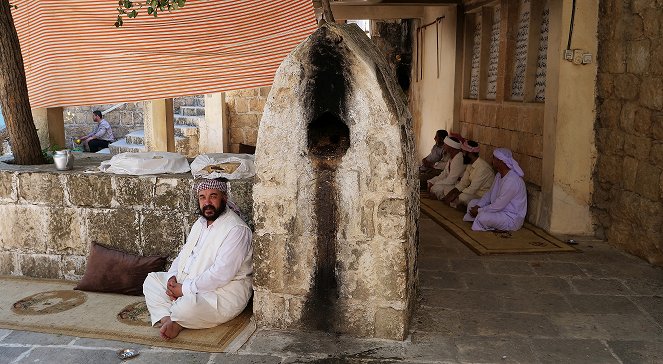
<point x="48" y="153"/>
<point x="130" y="9"/>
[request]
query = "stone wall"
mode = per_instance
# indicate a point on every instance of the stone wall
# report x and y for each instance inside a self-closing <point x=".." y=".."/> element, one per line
<point x="50" y="217"/>
<point x="628" y="178"/>
<point x="123" y="120"/>
<point x="517" y="126"/>
<point x="245" y="109"/>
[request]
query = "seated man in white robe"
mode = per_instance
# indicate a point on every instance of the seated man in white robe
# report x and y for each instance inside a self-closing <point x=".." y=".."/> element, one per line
<point x="210" y="281"/>
<point x="505" y="205"/>
<point x="435" y="161"/>
<point x="452" y="172"/>
<point x="476" y="181"/>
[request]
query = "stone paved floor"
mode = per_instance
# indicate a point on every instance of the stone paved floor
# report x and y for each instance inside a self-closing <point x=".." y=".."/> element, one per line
<point x="599" y="306"/>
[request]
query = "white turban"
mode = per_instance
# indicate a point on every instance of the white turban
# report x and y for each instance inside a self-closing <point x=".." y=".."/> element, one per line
<point x="505" y="156"/>
<point x="450" y="142"/>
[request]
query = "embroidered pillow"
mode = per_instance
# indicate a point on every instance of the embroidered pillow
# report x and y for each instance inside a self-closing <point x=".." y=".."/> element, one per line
<point x="114" y="271"/>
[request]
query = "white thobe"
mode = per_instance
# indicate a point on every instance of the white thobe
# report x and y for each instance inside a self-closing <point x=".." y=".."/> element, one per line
<point x="449" y="176"/>
<point x="503" y="207"/>
<point x="476" y="181"/>
<point x="215" y="269"/>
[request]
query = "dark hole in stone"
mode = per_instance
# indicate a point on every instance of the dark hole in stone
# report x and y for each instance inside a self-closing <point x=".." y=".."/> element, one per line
<point x="328" y="137"/>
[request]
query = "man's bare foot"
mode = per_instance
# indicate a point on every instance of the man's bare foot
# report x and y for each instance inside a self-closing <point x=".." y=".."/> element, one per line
<point x="169" y="329"/>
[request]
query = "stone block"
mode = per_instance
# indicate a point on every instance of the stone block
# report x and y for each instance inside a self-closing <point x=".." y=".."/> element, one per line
<point x="174" y="194"/>
<point x="610" y="168"/>
<point x="630" y="111"/>
<point x="661" y="184"/>
<point x="609" y="113"/>
<point x="264" y="91"/>
<point x="637" y="56"/>
<point x="241" y="105"/>
<point x="23" y="228"/>
<point x="535" y="170"/>
<point x="41" y="188"/>
<point x="390" y="323"/>
<point x="613" y="56"/>
<point x="359" y="262"/>
<point x="651" y="92"/>
<point x="246" y="120"/>
<point x="656" y="65"/>
<point x="629" y="173"/>
<point x="392" y="218"/>
<point x="648" y="181"/>
<point x="627" y="86"/>
<point x="73" y="267"/>
<point x="66" y="231"/>
<point x="8" y="263"/>
<point x="250" y="136"/>
<point x="656" y="154"/>
<point x="486" y="115"/>
<point x="657" y="126"/>
<point x="269" y="309"/>
<point x="133" y="191"/>
<point x="605" y="85"/>
<point x="116" y="228"/>
<point x="89" y="190"/>
<point x="7" y="186"/>
<point x="637" y="147"/>
<point x="236" y="135"/>
<point x="354" y="318"/>
<point x="284" y="263"/>
<point x="40" y="265"/>
<point x="163" y="232"/>
<point x="256" y="104"/>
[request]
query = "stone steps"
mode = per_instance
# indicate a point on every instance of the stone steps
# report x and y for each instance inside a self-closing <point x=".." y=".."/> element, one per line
<point x="190" y="120"/>
<point x="121" y="146"/>
<point x="190" y="112"/>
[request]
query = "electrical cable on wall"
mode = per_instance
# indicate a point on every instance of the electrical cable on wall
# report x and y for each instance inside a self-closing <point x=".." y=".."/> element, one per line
<point x="573" y="15"/>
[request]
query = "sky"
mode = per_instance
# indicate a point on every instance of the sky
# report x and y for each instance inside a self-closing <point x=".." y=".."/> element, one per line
<point x="2" y="121"/>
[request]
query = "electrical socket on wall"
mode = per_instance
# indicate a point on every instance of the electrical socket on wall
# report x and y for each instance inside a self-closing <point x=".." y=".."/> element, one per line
<point x="568" y="54"/>
<point x="586" y="58"/>
<point x="577" y="56"/>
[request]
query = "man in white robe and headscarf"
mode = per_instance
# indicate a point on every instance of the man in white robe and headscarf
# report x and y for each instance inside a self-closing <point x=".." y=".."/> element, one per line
<point x="210" y="281"/>
<point x="452" y="172"/>
<point x="476" y="181"/>
<point x="504" y="206"/>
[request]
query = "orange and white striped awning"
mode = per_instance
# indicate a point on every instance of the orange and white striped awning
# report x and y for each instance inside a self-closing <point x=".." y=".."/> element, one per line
<point x="74" y="55"/>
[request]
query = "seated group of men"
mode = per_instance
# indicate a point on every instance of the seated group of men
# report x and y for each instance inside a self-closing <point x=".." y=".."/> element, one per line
<point x="455" y="173"/>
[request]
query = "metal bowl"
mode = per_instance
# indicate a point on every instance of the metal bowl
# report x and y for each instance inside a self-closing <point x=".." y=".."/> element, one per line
<point x="125" y="354"/>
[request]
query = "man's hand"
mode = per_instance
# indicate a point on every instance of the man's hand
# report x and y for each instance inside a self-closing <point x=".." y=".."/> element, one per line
<point x="173" y="289"/>
<point x="474" y="211"/>
<point x="451" y="196"/>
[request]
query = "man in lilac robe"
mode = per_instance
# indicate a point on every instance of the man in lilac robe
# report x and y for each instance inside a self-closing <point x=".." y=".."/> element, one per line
<point x="505" y="205"/>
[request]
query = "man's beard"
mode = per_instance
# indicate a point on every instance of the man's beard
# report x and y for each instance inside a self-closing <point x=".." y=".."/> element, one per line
<point x="216" y="212"/>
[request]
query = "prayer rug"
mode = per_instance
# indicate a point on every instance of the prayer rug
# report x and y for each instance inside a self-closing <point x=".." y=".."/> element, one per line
<point x="52" y="306"/>
<point x="528" y="239"/>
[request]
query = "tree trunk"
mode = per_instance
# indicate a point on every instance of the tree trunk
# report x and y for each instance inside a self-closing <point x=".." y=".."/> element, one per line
<point x="14" y="94"/>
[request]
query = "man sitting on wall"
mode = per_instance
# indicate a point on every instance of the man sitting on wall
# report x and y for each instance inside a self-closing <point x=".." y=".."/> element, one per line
<point x="435" y="161"/>
<point x="210" y="281"/>
<point x="505" y="205"/>
<point x="453" y="170"/>
<point x="100" y="137"/>
<point x="476" y="181"/>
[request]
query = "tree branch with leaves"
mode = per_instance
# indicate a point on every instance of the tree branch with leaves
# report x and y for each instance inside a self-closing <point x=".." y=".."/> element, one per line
<point x="130" y="9"/>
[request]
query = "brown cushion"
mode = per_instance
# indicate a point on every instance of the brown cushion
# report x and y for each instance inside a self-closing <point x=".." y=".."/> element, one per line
<point x="110" y="270"/>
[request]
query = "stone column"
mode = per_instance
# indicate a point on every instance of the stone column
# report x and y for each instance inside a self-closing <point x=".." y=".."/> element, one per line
<point x="50" y="126"/>
<point x="159" y="125"/>
<point x="214" y="131"/>
<point x="569" y="150"/>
